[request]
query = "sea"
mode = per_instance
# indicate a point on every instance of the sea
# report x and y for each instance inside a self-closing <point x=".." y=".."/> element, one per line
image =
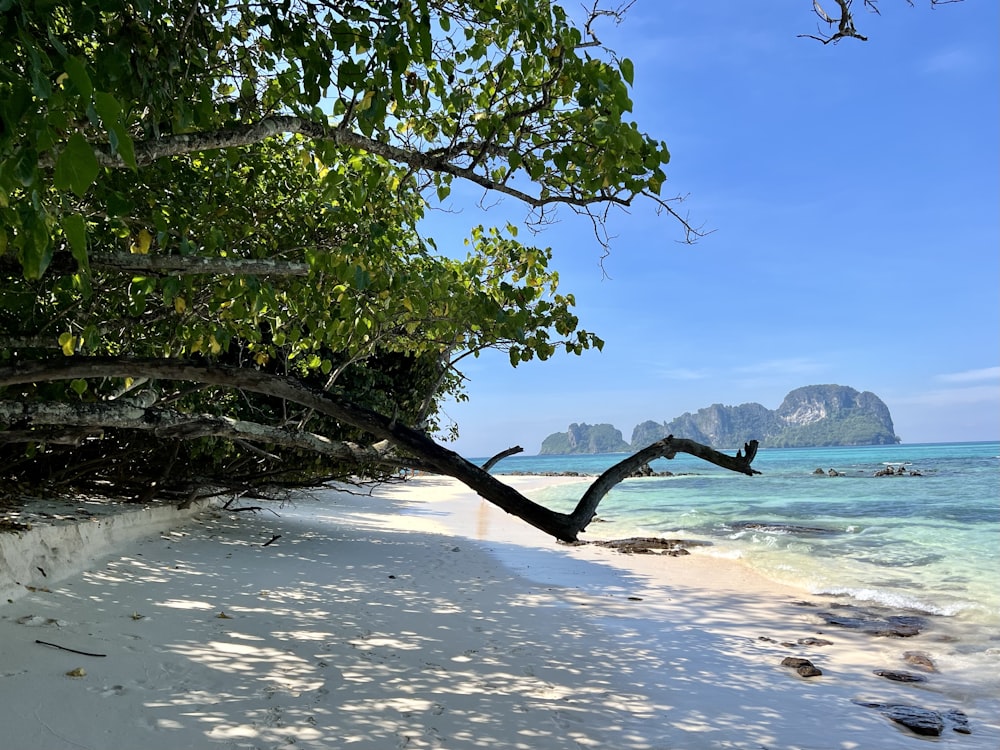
<point x="924" y="540"/>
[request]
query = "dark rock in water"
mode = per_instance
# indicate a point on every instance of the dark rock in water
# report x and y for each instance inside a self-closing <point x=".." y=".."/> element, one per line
<point x="803" y="666"/>
<point x="794" y="662"/>
<point x="814" y="642"/>
<point x="873" y="622"/>
<point x="834" y="473"/>
<point x="819" y="471"/>
<point x="778" y="528"/>
<point x="644" y="545"/>
<point x="921" y="660"/>
<point x="923" y="721"/>
<point x="900" y="676"/>
<point x="958" y="720"/>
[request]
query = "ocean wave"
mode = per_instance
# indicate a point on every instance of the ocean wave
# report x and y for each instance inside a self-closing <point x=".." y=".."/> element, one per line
<point x="894" y="600"/>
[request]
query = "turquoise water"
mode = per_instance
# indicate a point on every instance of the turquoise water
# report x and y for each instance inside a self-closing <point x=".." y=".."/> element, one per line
<point x="929" y="543"/>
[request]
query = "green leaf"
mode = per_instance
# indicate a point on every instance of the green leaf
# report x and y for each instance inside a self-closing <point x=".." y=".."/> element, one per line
<point x="110" y="110"/>
<point x="25" y="166"/>
<point x="628" y="70"/>
<point x="76" y="167"/>
<point x="75" y="229"/>
<point x="36" y="253"/>
<point x="79" y="386"/>
<point x="77" y="73"/>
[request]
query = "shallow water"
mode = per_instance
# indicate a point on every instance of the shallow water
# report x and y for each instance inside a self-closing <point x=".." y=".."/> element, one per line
<point x="928" y="543"/>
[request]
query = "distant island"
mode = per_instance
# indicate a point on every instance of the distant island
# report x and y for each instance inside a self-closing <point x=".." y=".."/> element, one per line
<point x="811" y="416"/>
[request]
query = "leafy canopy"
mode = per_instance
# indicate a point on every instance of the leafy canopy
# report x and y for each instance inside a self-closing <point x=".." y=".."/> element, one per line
<point x="244" y="182"/>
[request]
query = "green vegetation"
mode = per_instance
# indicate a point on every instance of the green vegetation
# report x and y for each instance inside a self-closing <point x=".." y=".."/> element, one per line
<point x="585" y="438"/>
<point x="241" y="184"/>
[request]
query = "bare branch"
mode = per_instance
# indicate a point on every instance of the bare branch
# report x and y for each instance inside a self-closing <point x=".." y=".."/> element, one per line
<point x="846" y="28"/>
<point x="562" y="526"/>
<point x="189" y="265"/>
<point x="501" y="456"/>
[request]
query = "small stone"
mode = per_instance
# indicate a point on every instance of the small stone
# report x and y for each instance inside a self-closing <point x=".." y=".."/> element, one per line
<point x="804" y="667"/>
<point x="921" y="660"/>
<point x="814" y="642"/>
<point x="794" y="662"/>
<point x="959" y="721"/>
<point x="899" y="675"/>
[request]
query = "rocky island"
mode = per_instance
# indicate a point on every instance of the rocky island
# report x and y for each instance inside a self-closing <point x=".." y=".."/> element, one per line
<point x="811" y="416"/>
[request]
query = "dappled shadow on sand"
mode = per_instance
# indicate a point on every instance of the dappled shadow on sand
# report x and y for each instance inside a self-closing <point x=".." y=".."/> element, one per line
<point x="356" y="636"/>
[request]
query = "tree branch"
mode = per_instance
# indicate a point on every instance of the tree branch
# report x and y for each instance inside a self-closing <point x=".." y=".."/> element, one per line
<point x="501" y="456"/>
<point x="166" y="423"/>
<point x="562" y="526"/>
<point x="190" y="264"/>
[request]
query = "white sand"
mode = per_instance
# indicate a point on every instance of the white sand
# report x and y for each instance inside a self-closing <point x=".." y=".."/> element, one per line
<point x="426" y="618"/>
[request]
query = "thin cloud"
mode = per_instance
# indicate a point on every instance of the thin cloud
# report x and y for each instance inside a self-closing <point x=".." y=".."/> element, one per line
<point x="970" y="376"/>
<point x="979" y="394"/>
<point x="950" y="61"/>
<point x="681" y="373"/>
<point x="782" y="366"/>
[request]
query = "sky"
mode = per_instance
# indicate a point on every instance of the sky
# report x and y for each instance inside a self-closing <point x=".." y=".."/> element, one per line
<point x="852" y="194"/>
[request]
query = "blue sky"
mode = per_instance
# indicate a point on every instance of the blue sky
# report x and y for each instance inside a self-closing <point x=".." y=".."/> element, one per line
<point x="852" y="191"/>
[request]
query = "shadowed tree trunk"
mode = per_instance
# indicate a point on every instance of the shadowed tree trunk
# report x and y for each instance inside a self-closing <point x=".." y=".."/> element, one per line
<point x="413" y="447"/>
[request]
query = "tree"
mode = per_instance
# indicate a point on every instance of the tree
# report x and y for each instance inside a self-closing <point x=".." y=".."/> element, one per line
<point x="211" y="265"/>
<point x="842" y="25"/>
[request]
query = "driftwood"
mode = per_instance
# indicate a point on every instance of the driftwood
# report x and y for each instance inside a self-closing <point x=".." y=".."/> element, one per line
<point x="412" y="447"/>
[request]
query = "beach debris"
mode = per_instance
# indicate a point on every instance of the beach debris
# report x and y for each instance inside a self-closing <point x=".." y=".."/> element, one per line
<point x="900" y="676"/>
<point x="920" y="660"/>
<point x="922" y="721"/>
<point x="34" y="621"/>
<point x="272" y="540"/>
<point x="223" y="616"/>
<point x="137" y="616"/>
<point x="635" y="598"/>
<point x="78" y="672"/>
<point x="71" y="650"/>
<point x="804" y="667"/>
<point x="646" y="545"/>
<point x="873" y="622"/>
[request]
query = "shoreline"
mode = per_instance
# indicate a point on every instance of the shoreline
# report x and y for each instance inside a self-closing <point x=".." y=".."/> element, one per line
<point x="423" y="617"/>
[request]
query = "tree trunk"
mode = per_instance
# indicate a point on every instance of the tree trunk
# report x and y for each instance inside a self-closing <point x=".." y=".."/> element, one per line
<point x="562" y="526"/>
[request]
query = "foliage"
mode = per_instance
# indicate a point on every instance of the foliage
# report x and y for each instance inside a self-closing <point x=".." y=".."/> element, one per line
<point x="243" y="183"/>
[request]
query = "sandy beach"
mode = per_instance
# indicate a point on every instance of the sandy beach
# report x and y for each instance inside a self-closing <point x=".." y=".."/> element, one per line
<point x="422" y="617"/>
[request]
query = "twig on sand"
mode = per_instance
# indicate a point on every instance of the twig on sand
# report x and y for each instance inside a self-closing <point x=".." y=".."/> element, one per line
<point x="71" y="650"/>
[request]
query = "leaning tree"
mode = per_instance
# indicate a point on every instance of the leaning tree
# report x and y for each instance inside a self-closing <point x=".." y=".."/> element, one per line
<point x="212" y="269"/>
